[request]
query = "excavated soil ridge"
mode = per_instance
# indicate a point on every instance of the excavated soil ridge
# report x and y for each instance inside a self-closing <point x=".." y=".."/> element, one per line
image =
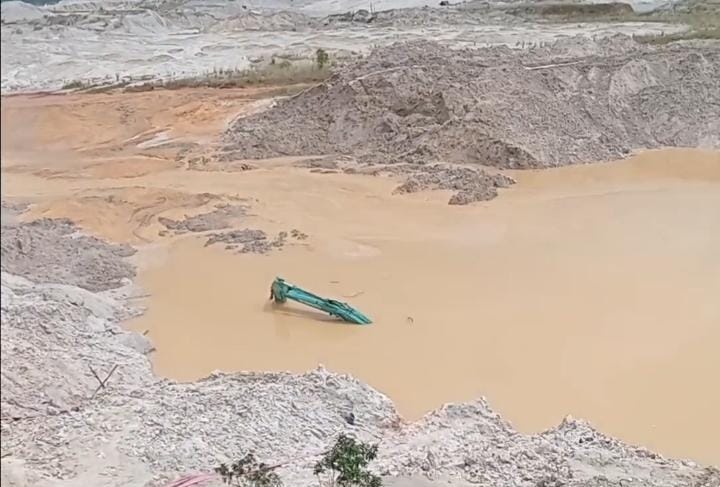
<point x="574" y="101"/>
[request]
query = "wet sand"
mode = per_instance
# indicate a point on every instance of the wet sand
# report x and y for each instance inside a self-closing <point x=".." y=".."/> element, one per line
<point x="588" y="290"/>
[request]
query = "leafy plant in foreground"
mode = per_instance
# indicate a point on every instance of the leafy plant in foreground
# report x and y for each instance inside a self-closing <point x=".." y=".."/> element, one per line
<point x="347" y="462"/>
<point x="248" y="472"/>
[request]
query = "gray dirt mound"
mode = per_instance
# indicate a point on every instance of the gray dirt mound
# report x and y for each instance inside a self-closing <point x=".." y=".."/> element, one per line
<point x="575" y="101"/>
<point x="51" y="250"/>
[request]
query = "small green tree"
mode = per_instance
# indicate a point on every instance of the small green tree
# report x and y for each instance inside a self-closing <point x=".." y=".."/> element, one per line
<point x="248" y="472"/>
<point x="321" y="58"/>
<point x="347" y="462"/>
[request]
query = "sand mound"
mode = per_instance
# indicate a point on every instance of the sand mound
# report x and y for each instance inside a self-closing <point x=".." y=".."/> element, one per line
<point x="574" y="101"/>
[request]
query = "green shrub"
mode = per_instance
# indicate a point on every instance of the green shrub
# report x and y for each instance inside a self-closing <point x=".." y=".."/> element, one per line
<point x="73" y="85"/>
<point x="346" y="464"/>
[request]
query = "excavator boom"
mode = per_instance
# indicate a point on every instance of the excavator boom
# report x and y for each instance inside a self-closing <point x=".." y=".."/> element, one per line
<point x="281" y="291"/>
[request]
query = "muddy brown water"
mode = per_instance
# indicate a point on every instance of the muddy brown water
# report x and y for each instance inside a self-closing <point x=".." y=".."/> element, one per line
<point x="588" y="290"/>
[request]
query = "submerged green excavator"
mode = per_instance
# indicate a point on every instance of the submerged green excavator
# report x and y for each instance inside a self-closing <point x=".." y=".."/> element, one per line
<point x="281" y="291"/>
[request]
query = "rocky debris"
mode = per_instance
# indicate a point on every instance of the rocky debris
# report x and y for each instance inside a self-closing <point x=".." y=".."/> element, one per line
<point x="298" y="235"/>
<point x="140" y="430"/>
<point x="221" y="217"/>
<point x="246" y="240"/>
<point x="33" y="250"/>
<point x="575" y="101"/>
<point x="470" y="184"/>
<point x="253" y="241"/>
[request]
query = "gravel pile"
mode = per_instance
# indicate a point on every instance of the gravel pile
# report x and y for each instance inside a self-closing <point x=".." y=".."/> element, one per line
<point x="574" y="101"/>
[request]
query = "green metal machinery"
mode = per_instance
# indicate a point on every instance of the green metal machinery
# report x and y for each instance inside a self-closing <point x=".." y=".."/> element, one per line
<point x="281" y="291"/>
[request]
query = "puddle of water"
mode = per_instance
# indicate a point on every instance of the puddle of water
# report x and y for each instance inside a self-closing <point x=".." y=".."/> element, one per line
<point x="590" y="290"/>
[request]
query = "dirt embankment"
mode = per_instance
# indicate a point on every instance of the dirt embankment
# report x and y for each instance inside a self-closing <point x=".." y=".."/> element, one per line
<point x="572" y="102"/>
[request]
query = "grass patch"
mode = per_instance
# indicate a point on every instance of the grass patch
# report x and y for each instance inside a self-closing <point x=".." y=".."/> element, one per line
<point x="277" y="73"/>
<point x="282" y="75"/>
<point x="74" y="85"/>
<point x="95" y="85"/>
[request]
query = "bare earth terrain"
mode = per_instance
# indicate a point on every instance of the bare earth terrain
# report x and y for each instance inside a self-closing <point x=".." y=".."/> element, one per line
<point x="447" y="193"/>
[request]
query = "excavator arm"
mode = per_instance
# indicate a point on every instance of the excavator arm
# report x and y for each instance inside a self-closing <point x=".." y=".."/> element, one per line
<point x="281" y="291"/>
